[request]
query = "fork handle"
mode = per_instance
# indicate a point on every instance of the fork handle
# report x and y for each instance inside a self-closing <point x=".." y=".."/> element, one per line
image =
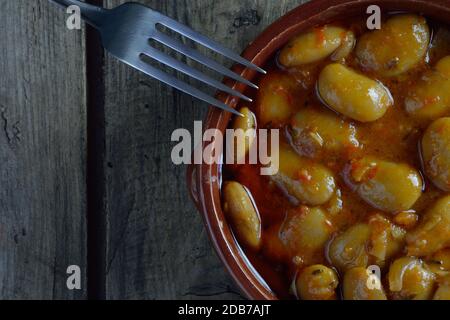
<point x="93" y="15"/>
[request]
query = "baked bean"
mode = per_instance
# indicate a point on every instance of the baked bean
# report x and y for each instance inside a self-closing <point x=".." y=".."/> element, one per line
<point x="386" y="239"/>
<point x="433" y="233"/>
<point x="242" y="214"/>
<point x="313" y="130"/>
<point x="398" y="46"/>
<point x="355" y="286"/>
<point x="317" y="282"/>
<point x="348" y="250"/>
<point x="436" y="153"/>
<point x="305" y="233"/>
<point x="308" y="182"/>
<point x="276" y="100"/>
<point x="247" y="124"/>
<point x="312" y="46"/>
<point x="347" y="46"/>
<point x="407" y="219"/>
<point x="409" y="279"/>
<point x="353" y="94"/>
<point x="430" y="97"/>
<point x="391" y="187"/>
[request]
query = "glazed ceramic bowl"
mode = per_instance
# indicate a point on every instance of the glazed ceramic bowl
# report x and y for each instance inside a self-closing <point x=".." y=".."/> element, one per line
<point x="204" y="180"/>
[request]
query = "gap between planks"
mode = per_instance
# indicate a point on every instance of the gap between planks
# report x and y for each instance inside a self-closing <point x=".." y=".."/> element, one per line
<point x="95" y="178"/>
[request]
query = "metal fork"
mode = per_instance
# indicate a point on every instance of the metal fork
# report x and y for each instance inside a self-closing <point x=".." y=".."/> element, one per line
<point x="126" y="32"/>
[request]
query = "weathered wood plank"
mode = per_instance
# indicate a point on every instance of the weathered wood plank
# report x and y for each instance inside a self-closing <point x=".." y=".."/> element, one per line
<point x="42" y="152"/>
<point x="157" y="247"/>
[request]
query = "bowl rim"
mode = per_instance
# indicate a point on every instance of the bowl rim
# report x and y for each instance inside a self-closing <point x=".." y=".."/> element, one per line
<point x="203" y="180"/>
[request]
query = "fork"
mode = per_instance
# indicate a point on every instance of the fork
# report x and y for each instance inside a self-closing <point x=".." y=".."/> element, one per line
<point x="126" y="32"/>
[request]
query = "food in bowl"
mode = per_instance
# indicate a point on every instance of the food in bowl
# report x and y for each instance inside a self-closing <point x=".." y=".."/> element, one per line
<point x="364" y="164"/>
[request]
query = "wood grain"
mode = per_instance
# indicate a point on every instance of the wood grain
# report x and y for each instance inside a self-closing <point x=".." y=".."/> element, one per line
<point x="42" y="152"/>
<point x="157" y="247"/>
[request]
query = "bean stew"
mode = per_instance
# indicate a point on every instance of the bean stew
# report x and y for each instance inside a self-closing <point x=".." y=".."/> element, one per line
<point x="364" y="164"/>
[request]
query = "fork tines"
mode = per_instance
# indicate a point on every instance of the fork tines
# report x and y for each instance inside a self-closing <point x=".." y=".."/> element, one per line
<point x="196" y="56"/>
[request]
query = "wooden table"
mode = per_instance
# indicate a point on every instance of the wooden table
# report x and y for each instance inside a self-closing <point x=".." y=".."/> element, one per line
<point x="85" y="172"/>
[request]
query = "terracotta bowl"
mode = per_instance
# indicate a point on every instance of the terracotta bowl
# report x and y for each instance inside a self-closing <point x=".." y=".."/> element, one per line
<point x="204" y="180"/>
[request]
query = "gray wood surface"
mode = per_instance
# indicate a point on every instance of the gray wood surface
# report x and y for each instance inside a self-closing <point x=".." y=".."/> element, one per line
<point x="154" y="244"/>
<point x="42" y="152"/>
<point x="157" y="247"/>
